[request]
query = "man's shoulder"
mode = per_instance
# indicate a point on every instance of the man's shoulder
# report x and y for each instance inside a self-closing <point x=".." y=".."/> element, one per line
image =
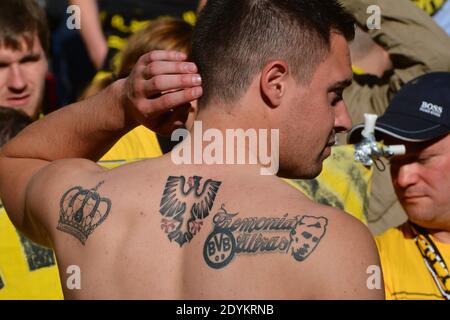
<point x="331" y="242"/>
<point x="337" y="228"/>
<point x="345" y="229"/>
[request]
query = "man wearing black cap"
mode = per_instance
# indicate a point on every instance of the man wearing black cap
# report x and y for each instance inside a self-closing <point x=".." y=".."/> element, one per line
<point x="416" y="254"/>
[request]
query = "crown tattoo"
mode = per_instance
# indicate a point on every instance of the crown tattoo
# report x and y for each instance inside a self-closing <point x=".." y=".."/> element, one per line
<point x="81" y="211"/>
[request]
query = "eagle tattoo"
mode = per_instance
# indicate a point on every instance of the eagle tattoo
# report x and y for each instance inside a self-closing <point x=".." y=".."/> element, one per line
<point x="176" y="194"/>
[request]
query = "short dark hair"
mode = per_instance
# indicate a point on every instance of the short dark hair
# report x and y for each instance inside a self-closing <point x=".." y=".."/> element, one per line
<point x="12" y="121"/>
<point x="234" y="39"/>
<point x="22" y="19"/>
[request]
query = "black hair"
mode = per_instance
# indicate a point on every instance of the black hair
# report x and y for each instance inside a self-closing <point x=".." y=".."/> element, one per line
<point x="234" y="39"/>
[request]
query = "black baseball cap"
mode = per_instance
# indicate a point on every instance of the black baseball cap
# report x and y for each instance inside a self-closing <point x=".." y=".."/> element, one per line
<point x="420" y="111"/>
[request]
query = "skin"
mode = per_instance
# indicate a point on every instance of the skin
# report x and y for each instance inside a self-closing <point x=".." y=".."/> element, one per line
<point x="131" y="245"/>
<point x="201" y="4"/>
<point x="421" y="180"/>
<point x="22" y="77"/>
<point x="91" y="31"/>
<point x="369" y="55"/>
<point x="323" y="114"/>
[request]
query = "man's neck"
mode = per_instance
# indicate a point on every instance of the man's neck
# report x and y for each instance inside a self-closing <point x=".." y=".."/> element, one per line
<point x="219" y="136"/>
<point x="442" y="236"/>
<point x="223" y="118"/>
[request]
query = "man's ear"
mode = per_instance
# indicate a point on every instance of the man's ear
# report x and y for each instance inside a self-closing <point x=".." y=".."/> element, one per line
<point x="273" y="82"/>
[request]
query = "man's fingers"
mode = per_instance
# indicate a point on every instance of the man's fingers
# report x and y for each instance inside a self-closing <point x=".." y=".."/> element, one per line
<point x="156" y="68"/>
<point x="162" y="83"/>
<point x="171" y="100"/>
<point x="163" y="55"/>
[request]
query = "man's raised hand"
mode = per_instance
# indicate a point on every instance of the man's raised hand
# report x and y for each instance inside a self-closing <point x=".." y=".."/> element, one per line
<point x="158" y="92"/>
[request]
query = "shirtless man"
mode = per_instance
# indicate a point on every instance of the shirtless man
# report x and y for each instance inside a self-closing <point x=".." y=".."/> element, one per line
<point x="215" y="231"/>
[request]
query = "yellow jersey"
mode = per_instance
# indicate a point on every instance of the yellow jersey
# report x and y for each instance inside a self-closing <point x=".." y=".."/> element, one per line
<point x="343" y="183"/>
<point x="27" y="271"/>
<point x="406" y="276"/>
<point x="139" y="143"/>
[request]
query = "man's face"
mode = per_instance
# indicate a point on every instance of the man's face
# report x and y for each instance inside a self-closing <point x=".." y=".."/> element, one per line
<point x="316" y="112"/>
<point x="421" y="180"/>
<point x="22" y="77"/>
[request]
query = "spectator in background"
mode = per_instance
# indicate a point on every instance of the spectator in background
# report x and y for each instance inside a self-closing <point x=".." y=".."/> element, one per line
<point x="24" y="47"/>
<point x="413" y="42"/>
<point x="415" y="255"/>
<point x="407" y="44"/>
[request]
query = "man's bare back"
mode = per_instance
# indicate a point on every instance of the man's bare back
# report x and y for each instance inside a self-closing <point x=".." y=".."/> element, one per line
<point x="162" y="231"/>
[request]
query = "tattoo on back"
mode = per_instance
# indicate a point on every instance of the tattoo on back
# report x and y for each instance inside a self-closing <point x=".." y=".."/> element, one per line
<point x="181" y="228"/>
<point x="298" y="236"/>
<point x="82" y="211"/>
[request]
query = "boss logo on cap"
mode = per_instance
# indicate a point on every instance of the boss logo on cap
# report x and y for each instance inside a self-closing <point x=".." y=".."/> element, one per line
<point x="431" y="109"/>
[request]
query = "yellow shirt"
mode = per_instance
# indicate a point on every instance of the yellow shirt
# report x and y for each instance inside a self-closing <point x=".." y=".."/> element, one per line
<point x="139" y="143"/>
<point x="406" y="276"/>
<point x="27" y="271"/>
<point x="343" y="183"/>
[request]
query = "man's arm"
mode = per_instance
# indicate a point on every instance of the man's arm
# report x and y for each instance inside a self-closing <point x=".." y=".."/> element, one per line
<point x="88" y="128"/>
<point x="415" y="43"/>
<point x="91" y="31"/>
